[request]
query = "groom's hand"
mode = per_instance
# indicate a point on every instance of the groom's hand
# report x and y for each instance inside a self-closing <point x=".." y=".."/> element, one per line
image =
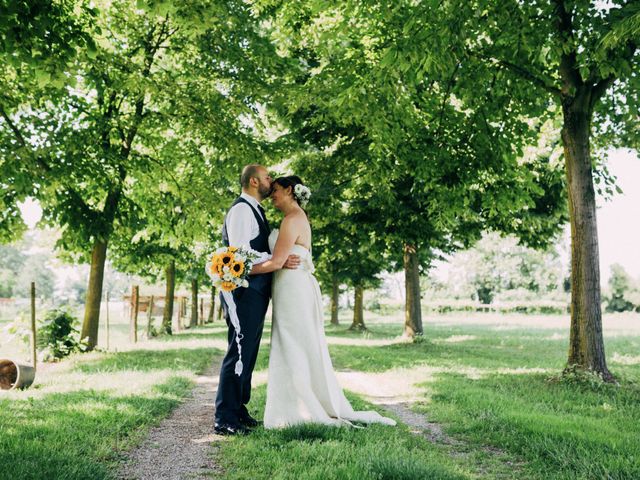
<point x="293" y="261"/>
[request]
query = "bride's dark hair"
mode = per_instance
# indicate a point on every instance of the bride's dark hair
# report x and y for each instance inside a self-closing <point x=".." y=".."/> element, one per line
<point x="290" y="181"/>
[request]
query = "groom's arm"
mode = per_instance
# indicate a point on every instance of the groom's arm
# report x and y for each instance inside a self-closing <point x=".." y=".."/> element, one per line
<point x="242" y="227"/>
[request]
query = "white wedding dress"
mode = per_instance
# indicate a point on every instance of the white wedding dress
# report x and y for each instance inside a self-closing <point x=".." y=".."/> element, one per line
<point x="302" y="386"/>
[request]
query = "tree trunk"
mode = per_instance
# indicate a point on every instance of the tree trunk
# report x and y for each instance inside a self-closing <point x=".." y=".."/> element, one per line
<point x="358" y="310"/>
<point x="167" y="316"/>
<point x="94" y="294"/>
<point x="213" y="304"/>
<point x="335" y="300"/>
<point x="586" y="345"/>
<point x="194" y="303"/>
<point x="413" y="309"/>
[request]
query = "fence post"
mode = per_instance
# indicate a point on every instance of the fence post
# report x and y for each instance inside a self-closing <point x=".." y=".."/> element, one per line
<point x="33" y="325"/>
<point x="179" y="323"/>
<point x="133" y="325"/>
<point x="149" y="317"/>
<point x="107" y="312"/>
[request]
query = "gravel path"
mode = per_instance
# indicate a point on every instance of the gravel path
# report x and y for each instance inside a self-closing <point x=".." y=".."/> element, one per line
<point x="419" y="423"/>
<point x="181" y="446"/>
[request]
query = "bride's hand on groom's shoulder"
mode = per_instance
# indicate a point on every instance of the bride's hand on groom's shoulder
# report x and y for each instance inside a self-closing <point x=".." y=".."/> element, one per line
<point x="292" y="262"/>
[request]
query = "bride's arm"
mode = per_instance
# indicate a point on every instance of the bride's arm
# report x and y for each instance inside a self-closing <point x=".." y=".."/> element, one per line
<point x="286" y="240"/>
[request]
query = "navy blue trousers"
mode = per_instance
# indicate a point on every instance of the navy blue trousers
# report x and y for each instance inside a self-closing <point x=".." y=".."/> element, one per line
<point x="234" y="392"/>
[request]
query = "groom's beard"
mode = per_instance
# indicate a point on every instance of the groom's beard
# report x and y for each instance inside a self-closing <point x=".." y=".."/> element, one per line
<point x="265" y="192"/>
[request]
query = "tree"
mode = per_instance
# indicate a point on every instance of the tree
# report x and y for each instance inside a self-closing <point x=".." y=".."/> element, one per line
<point x="11" y="262"/>
<point x="35" y="269"/>
<point x="141" y="80"/>
<point x="80" y="147"/>
<point x="441" y="173"/>
<point x="621" y="287"/>
<point x="495" y="265"/>
<point x="552" y="57"/>
<point x="38" y="41"/>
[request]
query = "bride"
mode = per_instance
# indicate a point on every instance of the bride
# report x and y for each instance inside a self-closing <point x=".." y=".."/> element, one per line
<point x="302" y="386"/>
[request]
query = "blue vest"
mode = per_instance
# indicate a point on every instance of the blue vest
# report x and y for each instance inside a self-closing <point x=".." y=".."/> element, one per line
<point x="262" y="282"/>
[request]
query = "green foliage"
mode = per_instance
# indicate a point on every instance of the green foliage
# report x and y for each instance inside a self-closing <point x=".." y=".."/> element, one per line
<point x="18" y="270"/>
<point x="380" y="124"/>
<point x="539" y="307"/>
<point x="626" y="29"/>
<point x="623" y="291"/>
<point x="35" y="269"/>
<point x="498" y="265"/>
<point x="57" y="336"/>
<point x="11" y="262"/>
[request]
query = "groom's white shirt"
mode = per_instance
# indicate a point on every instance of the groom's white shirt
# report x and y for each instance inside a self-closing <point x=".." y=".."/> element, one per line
<point x="242" y="226"/>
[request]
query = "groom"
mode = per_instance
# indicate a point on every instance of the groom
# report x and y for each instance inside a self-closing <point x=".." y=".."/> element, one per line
<point x="245" y="225"/>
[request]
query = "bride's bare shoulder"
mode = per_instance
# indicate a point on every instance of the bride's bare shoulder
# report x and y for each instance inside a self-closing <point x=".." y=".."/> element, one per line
<point x="296" y="217"/>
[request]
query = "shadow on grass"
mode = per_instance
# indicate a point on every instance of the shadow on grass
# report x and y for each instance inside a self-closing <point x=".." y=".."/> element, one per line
<point x="78" y="435"/>
<point x="197" y="359"/>
<point x="218" y="331"/>
<point x="484" y="349"/>
<point x="472" y="354"/>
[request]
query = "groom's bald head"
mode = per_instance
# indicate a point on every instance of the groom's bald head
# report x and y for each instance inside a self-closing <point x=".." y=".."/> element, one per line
<point x="249" y="172"/>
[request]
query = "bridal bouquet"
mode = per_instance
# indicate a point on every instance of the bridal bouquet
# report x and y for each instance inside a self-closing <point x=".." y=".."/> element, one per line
<point x="229" y="267"/>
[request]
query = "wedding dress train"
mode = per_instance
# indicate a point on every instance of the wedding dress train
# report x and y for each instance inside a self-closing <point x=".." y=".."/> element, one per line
<point x="302" y="386"/>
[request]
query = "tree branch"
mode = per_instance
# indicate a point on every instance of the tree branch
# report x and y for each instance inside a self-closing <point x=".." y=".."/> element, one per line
<point x="13" y="127"/>
<point x="446" y="96"/>
<point x="599" y="90"/>
<point x="568" y="61"/>
<point x="16" y="131"/>
<point x="150" y="51"/>
<point x="519" y="70"/>
<point x="527" y="75"/>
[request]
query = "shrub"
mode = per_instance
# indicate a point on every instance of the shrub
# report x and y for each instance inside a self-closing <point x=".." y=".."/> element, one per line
<point x="57" y="336"/>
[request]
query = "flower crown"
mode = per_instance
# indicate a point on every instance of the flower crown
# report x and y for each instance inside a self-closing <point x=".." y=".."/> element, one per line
<point x="302" y="194"/>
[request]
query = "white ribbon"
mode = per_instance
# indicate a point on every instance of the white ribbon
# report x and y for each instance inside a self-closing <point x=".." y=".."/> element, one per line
<point x="235" y="321"/>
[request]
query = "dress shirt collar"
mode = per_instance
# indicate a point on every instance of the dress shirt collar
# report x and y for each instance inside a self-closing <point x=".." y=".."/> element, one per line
<point x="254" y="203"/>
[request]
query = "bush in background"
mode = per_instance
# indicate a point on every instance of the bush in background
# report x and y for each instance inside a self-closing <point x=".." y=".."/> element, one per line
<point x="57" y="336"/>
<point x="624" y="294"/>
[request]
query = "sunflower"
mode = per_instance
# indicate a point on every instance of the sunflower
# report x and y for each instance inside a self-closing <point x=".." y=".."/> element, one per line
<point x="216" y="263"/>
<point x="216" y="268"/>
<point x="226" y="258"/>
<point x="237" y="269"/>
<point x="228" y="286"/>
<point x="233" y="249"/>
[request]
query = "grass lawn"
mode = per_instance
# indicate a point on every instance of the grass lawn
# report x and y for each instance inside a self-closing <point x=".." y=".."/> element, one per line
<point x="489" y="380"/>
<point x="81" y="414"/>
<point x="492" y="382"/>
